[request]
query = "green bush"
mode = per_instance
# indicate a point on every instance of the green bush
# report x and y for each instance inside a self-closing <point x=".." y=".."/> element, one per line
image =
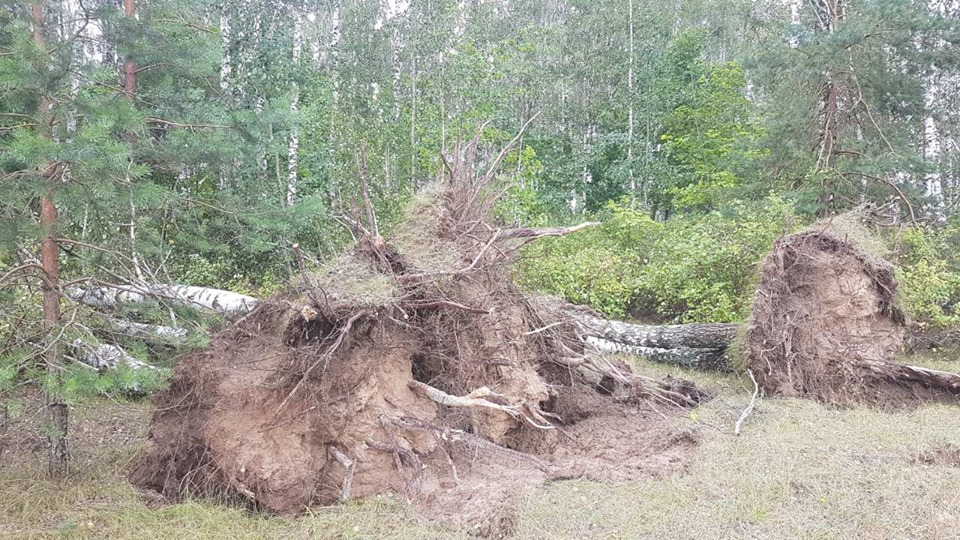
<point x="598" y="267"/>
<point x="703" y="267"/>
<point x="929" y="276"/>
<point x="692" y="268"/>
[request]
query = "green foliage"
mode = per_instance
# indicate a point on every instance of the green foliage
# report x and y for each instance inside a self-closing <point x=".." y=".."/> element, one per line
<point x="693" y="268"/>
<point x="930" y="276"/>
<point x="646" y="120"/>
<point x="704" y="266"/>
<point x="710" y="139"/>
<point x="122" y="381"/>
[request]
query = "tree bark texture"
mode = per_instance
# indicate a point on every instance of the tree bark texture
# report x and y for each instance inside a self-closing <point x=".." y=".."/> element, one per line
<point x="129" y="65"/>
<point x="57" y="457"/>
<point x="697" y="336"/>
<point x="106" y="356"/>
<point x="150" y="332"/>
<point x="226" y="302"/>
<point x="294" y="143"/>
<point x="688" y="357"/>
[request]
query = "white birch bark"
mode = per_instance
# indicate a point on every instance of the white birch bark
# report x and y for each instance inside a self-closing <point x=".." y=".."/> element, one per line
<point x="294" y="144"/>
<point x="106" y="356"/>
<point x="413" y="125"/>
<point x="153" y="332"/>
<point x="226" y="69"/>
<point x="931" y="143"/>
<point x="710" y="359"/>
<point x="633" y="182"/>
<point x="221" y="301"/>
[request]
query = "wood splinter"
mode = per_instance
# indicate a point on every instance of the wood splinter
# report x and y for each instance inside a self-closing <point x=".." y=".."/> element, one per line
<point x="349" y="465"/>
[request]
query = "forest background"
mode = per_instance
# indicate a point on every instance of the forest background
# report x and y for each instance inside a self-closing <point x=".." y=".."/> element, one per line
<point x="210" y="143"/>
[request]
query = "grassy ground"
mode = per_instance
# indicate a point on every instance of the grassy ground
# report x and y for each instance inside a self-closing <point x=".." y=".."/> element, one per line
<point x="798" y="470"/>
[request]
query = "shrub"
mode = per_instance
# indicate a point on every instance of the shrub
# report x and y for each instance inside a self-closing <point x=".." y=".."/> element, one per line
<point x="599" y="267"/>
<point x="692" y="268"/>
<point x="929" y="276"/>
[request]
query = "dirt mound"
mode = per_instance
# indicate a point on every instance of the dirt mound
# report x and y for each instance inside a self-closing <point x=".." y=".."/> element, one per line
<point x="825" y="325"/>
<point x="415" y="366"/>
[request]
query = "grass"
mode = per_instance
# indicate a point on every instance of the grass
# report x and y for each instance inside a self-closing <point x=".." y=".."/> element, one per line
<point x="798" y="470"/>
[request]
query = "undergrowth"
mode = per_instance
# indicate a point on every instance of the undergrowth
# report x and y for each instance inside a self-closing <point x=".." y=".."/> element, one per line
<point x="702" y="267"/>
<point x="698" y="268"/>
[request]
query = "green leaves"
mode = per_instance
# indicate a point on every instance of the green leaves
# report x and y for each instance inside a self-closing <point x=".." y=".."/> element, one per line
<point x="711" y="139"/>
<point x="693" y="268"/>
<point x="929" y="283"/>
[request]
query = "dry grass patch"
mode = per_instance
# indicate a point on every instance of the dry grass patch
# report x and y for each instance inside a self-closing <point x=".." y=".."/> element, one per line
<point x="798" y="470"/>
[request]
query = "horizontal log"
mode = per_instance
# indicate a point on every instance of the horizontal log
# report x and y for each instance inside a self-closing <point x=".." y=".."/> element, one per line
<point x="537" y="233"/>
<point x="714" y="359"/>
<point x="941" y="340"/>
<point x="226" y="302"/>
<point x="696" y="336"/>
<point x="926" y="377"/>
<point x="151" y="332"/>
<point x="106" y="356"/>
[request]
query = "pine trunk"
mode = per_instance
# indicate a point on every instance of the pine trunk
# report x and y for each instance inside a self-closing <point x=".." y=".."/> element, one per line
<point x="57" y="457"/>
<point x="129" y="66"/>
<point x="51" y="319"/>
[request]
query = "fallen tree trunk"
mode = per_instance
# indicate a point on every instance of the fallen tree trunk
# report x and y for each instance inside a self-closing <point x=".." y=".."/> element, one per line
<point x="943" y="340"/>
<point x="539" y="233"/>
<point x="106" y="356"/>
<point x="226" y="302"/>
<point x="715" y="359"/>
<point x="152" y="332"/>
<point x="942" y="381"/>
<point x="675" y="336"/>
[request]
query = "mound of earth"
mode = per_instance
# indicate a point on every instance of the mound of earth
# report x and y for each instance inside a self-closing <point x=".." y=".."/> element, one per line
<point x="414" y="366"/>
<point x="825" y="325"/>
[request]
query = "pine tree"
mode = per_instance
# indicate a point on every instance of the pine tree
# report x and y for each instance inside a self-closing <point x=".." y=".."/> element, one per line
<point x="845" y="98"/>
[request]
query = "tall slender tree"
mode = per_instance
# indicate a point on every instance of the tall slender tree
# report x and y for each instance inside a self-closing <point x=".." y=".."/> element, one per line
<point x="49" y="173"/>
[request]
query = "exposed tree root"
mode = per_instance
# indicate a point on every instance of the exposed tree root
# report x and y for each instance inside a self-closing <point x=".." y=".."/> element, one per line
<point x="347" y="464"/>
<point x="408" y="361"/>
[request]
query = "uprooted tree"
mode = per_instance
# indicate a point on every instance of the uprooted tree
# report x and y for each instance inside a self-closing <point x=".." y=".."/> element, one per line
<point x="412" y="365"/>
<point x="825" y="324"/>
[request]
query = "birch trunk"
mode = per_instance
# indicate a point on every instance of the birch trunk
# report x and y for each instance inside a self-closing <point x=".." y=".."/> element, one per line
<point x="413" y="125"/>
<point x="633" y="182"/>
<point x="226" y="302"/>
<point x="294" y="145"/>
<point x="226" y="69"/>
<point x="931" y="143"/>
<point x="688" y="357"/>
<point x="697" y="336"/>
<point x="106" y="356"/>
<point x="152" y="332"/>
